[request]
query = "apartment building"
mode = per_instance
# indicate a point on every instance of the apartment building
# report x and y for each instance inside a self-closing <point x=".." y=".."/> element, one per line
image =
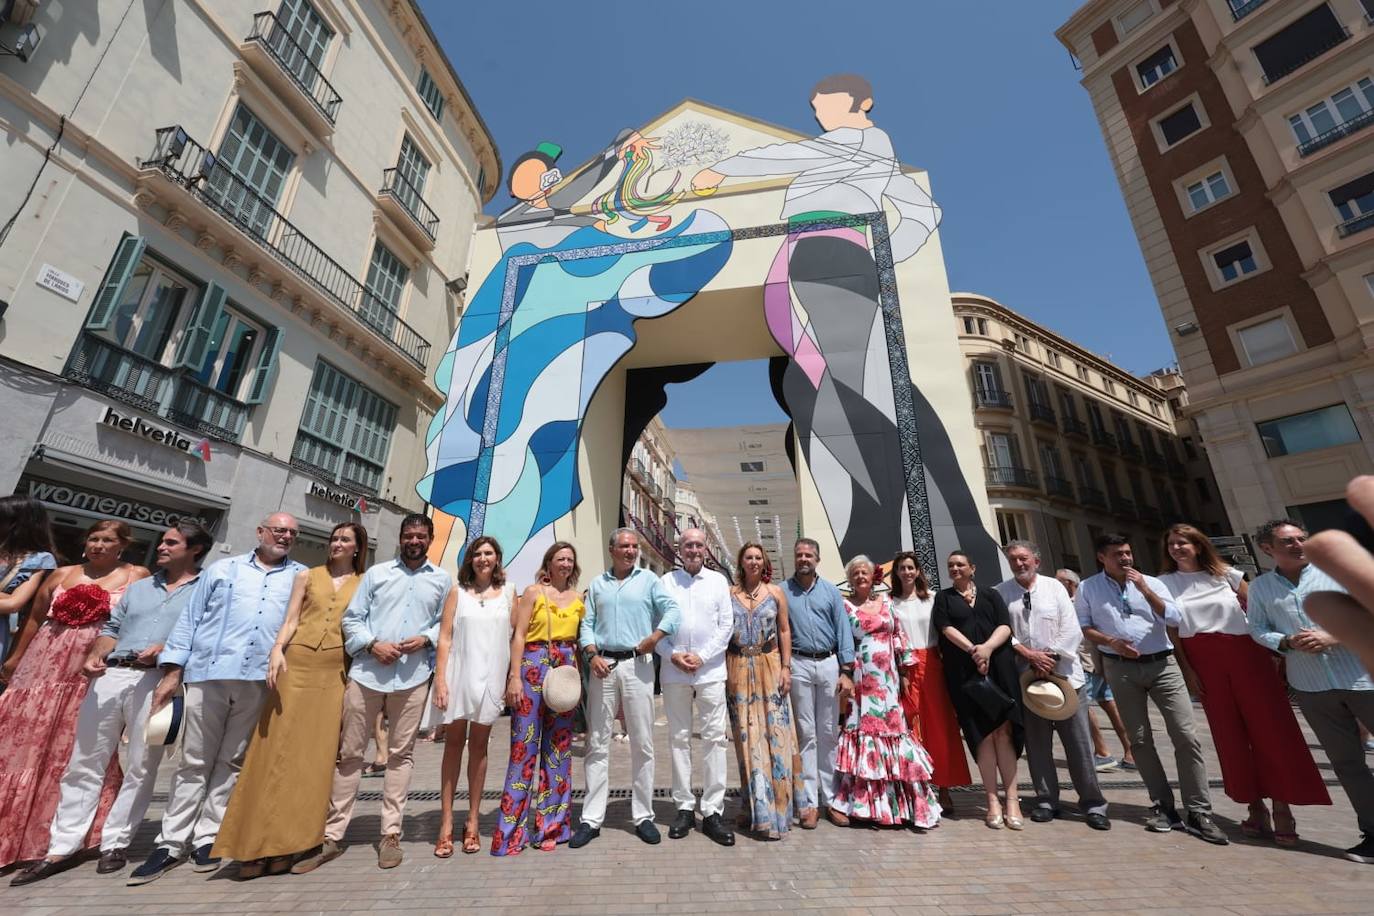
<point x="1073" y="446"/>
<point x="1240" y="134"/>
<point x="240" y="238"/>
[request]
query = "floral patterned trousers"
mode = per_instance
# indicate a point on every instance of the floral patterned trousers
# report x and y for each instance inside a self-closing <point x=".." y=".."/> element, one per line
<point x="539" y="739"/>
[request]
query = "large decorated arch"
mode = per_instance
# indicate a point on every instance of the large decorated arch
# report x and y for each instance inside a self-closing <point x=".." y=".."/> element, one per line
<point x="705" y="237"/>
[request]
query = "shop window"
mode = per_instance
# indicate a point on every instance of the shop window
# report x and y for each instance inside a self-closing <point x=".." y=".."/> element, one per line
<point x="1326" y="427"/>
<point x="345" y="431"/>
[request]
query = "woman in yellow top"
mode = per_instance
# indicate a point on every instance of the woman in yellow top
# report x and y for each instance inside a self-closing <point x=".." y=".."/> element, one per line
<point x="546" y="622"/>
<point x="281" y="799"/>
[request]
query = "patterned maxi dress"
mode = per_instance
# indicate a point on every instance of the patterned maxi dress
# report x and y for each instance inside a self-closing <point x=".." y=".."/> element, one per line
<point x="38" y="724"/>
<point x="761" y="720"/>
<point x="882" y="773"/>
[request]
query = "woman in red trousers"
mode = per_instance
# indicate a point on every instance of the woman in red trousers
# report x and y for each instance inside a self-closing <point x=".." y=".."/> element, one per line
<point x="929" y="712"/>
<point x="1261" y="748"/>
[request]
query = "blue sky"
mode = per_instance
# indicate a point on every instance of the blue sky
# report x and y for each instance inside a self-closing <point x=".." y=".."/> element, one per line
<point x="978" y="92"/>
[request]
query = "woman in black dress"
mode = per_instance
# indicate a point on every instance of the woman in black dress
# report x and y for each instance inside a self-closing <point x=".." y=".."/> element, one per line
<point x="975" y="647"/>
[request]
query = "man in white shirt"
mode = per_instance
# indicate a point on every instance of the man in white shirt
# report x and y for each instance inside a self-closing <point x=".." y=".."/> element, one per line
<point x="694" y="670"/>
<point x="1045" y="637"/>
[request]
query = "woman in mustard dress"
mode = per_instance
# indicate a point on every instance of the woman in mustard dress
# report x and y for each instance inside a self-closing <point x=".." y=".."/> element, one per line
<point x="281" y="799"/>
<point x="547" y="618"/>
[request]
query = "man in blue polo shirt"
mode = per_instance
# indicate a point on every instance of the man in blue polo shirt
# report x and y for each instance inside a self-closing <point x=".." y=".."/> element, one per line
<point x="628" y="611"/>
<point x="822" y="677"/>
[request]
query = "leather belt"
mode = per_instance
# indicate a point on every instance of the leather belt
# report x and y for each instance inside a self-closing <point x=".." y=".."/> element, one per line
<point x="749" y="651"/>
<point x="814" y="656"/>
<point x="129" y="661"/>
<point x="618" y="655"/>
<point x="1141" y="659"/>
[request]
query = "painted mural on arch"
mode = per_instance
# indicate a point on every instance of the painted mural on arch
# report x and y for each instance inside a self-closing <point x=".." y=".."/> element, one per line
<point x="558" y="311"/>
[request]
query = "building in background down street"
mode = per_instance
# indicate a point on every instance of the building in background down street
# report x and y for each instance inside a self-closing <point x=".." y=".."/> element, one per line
<point x="239" y="264"/>
<point x="1242" y="134"/>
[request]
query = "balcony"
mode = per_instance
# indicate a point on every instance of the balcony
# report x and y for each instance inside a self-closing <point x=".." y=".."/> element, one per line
<point x="1339" y="132"/>
<point x="1358" y="224"/>
<point x="1130" y="450"/>
<point x="1023" y="478"/>
<point x="638" y="471"/>
<point x="1042" y="413"/>
<point x="197" y="175"/>
<point x="1338" y="36"/>
<point x="1092" y="497"/>
<point x="994" y="398"/>
<point x="653" y="537"/>
<point x="402" y="202"/>
<point x="1073" y="426"/>
<point x="1058" y="486"/>
<point x="275" y="56"/>
<point x="1175" y="465"/>
<point x="1245" y="9"/>
<point x="1155" y="458"/>
<point x="1103" y="438"/>
<point x="1123" y="507"/>
<point x="1151" y="515"/>
<point x="172" y="394"/>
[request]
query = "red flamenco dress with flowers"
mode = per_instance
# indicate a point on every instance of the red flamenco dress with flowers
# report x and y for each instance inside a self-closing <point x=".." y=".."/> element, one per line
<point x="882" y="773"/>
<point x="38" y="713"/>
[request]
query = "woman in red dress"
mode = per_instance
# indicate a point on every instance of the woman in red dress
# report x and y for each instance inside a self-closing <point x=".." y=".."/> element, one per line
<point x="39" y="708"/>
<point x="929" y="712"/>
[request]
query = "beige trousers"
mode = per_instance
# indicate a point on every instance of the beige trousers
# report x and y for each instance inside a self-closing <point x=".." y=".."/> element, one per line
<point x="404" y="709"/>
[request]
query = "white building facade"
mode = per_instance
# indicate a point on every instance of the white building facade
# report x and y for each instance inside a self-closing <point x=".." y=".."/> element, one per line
<point x="241" y="257"/>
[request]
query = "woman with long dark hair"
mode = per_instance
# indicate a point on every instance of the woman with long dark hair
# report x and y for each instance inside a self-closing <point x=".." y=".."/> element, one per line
<point x="925" y="698"/>
<point x="26" y="557"/>
<point x="1262" y="751"/>
<point x="46" y="686"/>
<point x="471" y="663"/>
<point x="975" y="646"/>
<point x="758" y="678"/>
<point x="281" y="799"/>
<point x="547" y="618"/>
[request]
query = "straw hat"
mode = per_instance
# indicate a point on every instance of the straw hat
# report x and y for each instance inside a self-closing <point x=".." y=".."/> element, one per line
<point x="164" y="726"/>
<point x="562" y="688"/>
<point x="1049" y="696"/>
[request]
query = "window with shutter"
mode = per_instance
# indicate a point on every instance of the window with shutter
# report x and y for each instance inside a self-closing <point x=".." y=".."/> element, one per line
<point x="301" y="41"/>
<point x="200" y="327"/>
<point x="111" y="290"/>
<point x="345" y="430"/>
<point x="261" y="162"/>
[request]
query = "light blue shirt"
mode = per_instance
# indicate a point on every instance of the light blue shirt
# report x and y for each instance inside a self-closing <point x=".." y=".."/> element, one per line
<point x="1276" y="610"/>
<point x="227" y="629"/>
<point x="146" y="613"/>
<point x="1123" y="612"/>
<point x="818" y="619"/>
<point x="621" y="613"/>
<point x="394" y="602"/>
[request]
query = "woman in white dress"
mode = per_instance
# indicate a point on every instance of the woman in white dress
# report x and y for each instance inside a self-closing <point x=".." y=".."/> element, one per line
<point x="472" y="659"/>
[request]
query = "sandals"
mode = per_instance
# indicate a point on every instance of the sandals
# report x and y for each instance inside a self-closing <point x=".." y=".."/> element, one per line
<point x="444" y="847"/>
<point x="1288" y="839"/>
<point x="1257" y="828"/>
<point x="472" y="843"/>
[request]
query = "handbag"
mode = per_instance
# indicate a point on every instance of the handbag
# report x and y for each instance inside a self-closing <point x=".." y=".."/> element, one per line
<point x="562" y="685"/>
<point x="991" y="699"/>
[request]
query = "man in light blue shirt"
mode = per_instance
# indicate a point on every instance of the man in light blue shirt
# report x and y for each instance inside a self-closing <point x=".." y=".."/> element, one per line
<point x="1332" y="688"/>
<point x="822" y="678"/>
<point x="628" y="611"/>
<point x="390" y="629"/>
<point x="218" y="649"/>
<point x="1126" y="613"/>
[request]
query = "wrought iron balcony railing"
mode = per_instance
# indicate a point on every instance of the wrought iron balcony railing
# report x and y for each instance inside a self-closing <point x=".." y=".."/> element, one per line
<point x="187" y="163"/>
<point x="1073" y="426"/>
<point x="1123" y="507"/>
<point x="991" y="397"/>
<point x="1042" y="413"/>
<point x="1339" y="132"/>
<point x="103" y="366"/>
<point x="1245" y="9"/>
<point x="1155" y="458"/>
<point x="1130" y="449"/>
<point x="1358" y="224"/>
<point x="1058" y="486"/>
<point x="1091" y="496"/>
<point x="1103" y="438"/>
<point x="399" y="187"/>
<point x="1011" y="477"/>
<point x="1317" y="50"/>
<point x="282" y="47"/>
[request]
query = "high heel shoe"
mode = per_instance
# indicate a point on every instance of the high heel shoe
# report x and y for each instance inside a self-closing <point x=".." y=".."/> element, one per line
<point x="1015" y="821"/>
<point x="995" y="821"/>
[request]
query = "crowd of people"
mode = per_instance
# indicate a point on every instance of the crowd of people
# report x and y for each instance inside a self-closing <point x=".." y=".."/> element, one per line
<point x="845" y="703"/>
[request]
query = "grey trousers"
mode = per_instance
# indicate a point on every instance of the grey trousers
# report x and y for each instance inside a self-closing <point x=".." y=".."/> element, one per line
<point x="1078" y="753"/>
<point x="1161" y="682"/>
<point x="1333" y="715"/>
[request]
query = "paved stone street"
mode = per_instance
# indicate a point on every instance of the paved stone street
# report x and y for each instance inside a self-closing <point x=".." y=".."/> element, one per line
<point x="960" y="868"/>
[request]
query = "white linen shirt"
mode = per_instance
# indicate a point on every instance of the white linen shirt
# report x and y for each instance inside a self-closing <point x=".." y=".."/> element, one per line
<point x="1208" y="603"/>
<point x="913" y="616"/>
<point x="1050" y="624"/>
<point x="394" y="602"/>
<point x="708" y="618"/>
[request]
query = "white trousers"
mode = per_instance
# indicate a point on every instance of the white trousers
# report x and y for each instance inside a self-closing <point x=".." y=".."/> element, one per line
<point x="117" y="700"/>
<point x="816" y="712"/>
<point x="710" y="702"/>
<point x="630" y="686"/>
<point x="220" y="716"/>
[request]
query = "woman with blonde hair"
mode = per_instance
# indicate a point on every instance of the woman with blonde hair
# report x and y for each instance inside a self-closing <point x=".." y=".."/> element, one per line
<point x="1262" y="751"/>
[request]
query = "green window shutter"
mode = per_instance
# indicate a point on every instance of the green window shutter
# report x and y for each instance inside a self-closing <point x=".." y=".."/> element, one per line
<point x="126" y="258"/>
<point x="200" y="327"/>
<point x="266" y="367"/>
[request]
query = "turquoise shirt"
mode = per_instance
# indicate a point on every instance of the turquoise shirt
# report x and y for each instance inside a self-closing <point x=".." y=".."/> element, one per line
<point x="622" y="612"/>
